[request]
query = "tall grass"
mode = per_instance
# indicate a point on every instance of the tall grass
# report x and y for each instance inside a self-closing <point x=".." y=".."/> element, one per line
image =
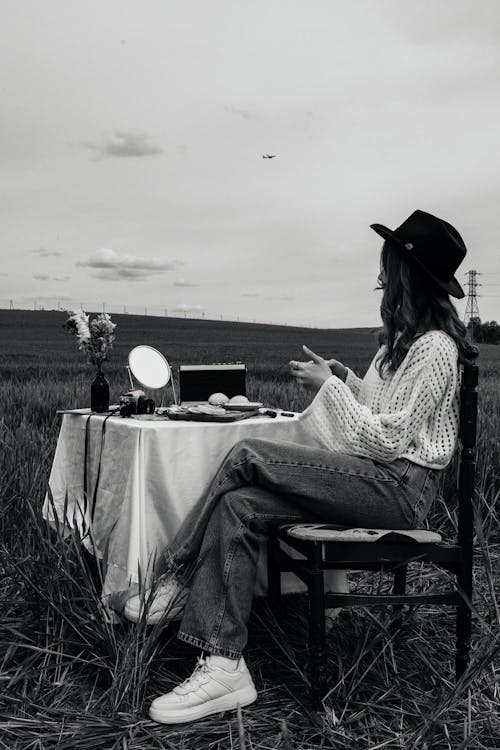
<point x="70" y="678"/>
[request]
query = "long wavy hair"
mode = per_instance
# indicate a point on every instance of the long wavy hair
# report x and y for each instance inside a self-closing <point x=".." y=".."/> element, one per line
<point x="412" y="303"/>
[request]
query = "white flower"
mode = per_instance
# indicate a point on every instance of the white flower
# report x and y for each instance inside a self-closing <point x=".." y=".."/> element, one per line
<point x="96" y="337"/>
<point x="81" y="321"/>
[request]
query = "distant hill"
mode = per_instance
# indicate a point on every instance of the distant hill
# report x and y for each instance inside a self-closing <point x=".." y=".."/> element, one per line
<point x="31" y="338"/>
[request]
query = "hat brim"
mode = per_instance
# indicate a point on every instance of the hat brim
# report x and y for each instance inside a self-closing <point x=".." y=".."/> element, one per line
<point x="452" y="286"/>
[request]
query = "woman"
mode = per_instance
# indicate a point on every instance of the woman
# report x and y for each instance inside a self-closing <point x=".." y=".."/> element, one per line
<point x="375" y="450"/>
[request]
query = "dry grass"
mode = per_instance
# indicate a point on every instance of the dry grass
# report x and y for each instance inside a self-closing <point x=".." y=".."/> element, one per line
<point x="69" y="679"/>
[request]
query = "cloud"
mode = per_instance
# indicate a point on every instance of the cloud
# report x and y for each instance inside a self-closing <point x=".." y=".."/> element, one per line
<point x="113" y="267"/>
<point x="123" y="144"/>
<point x="239" y="112"/>
<point x="46" y="277"/>
<point x="44" y="253"/>
<point x="183" y="282"/>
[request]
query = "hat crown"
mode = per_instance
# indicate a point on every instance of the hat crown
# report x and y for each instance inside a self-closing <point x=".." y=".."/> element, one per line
<point x="433" y="244"/>
<point x="436" y="243"/>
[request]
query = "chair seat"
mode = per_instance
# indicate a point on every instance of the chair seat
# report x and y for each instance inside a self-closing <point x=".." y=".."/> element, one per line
<point x="322" y="532"/>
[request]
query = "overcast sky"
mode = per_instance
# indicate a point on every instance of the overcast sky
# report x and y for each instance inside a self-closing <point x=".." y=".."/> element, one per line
<point x="132" y="136"/>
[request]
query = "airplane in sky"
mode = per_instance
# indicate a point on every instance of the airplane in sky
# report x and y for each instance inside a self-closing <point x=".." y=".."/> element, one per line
<point x="268" y="156"/>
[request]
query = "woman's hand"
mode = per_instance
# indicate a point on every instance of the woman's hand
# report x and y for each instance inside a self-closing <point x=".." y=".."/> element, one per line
<point x="337" y="368"/>
<point x="312" y="374"/>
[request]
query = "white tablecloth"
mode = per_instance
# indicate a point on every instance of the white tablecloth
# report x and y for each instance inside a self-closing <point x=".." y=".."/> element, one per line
<point x="151" y="474"/>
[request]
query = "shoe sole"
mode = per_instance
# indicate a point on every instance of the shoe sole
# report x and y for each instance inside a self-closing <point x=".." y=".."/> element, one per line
<point x="242" y="697"/>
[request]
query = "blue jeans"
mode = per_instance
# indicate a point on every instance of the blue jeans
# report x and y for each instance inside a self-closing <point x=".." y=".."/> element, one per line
<point x="262" y="483"/>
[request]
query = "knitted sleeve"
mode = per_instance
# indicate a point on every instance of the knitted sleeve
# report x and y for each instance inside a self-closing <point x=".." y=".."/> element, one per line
<point x="425" y="378"/>
<point x="353" y="382"/>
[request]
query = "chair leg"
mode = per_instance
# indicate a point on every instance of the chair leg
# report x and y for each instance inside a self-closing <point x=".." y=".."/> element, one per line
<point x="464" y="628"/>
<point x="398" y="589"/>
<point x="317" y="635"/>
<point x="273" y="569"/>
<point x="464" y="616"/>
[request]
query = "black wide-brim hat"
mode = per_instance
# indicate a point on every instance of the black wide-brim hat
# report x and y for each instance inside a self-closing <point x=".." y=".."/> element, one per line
<point x="434" y="245"/>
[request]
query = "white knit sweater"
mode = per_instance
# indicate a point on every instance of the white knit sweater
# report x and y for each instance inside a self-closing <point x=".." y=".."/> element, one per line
<point x="411" y="413"/>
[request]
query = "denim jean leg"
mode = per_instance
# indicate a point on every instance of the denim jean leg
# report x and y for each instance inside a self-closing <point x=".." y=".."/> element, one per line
<point x="357" y="489"/>
<point x="331" y="488"/>
<point x="218" y="607"/>
<point x="186" y="545"/>
<point x="250" y="461"/>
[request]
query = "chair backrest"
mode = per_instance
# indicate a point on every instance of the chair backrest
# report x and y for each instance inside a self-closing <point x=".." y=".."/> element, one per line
<point x="467" y="438"/>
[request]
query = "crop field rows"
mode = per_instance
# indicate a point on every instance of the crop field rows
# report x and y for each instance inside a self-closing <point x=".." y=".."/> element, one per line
<point x="70" y="679"/>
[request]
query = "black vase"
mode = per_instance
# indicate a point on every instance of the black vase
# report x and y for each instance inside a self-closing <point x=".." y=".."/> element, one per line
<point x="99" y="393"/>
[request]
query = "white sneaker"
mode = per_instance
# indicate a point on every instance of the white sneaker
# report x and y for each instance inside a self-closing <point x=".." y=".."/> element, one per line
<point x="210" y="690"/>
<point x="169" y="597"/>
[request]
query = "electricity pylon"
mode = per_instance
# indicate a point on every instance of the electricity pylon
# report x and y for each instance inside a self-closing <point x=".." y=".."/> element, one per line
<point x="471" y="309"/>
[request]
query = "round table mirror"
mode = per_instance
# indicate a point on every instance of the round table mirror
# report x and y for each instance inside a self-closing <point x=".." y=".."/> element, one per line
<point x="149" y="367"/>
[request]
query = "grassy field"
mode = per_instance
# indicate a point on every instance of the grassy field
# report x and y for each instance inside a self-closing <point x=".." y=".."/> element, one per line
<point x="68" y="679"/>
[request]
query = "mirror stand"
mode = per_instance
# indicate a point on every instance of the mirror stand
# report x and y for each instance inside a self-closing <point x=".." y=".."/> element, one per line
<point x="164" y="391"/>
<point x="173" y="391"/>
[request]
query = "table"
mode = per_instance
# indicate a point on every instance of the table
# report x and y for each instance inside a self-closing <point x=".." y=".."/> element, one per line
<point x="142" y="478"/>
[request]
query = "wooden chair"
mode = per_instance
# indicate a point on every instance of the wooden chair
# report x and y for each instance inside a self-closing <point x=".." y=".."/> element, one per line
<point x="326" y="547"/>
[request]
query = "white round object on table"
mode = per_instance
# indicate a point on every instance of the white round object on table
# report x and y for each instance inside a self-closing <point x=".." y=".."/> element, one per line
<point x="217" y="399"/>
<point x="238" y="400"/>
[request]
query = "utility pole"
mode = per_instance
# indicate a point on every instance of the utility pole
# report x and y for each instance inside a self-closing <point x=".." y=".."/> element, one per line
<point x="471" y="309"/>
<point x="11" y="305"/>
